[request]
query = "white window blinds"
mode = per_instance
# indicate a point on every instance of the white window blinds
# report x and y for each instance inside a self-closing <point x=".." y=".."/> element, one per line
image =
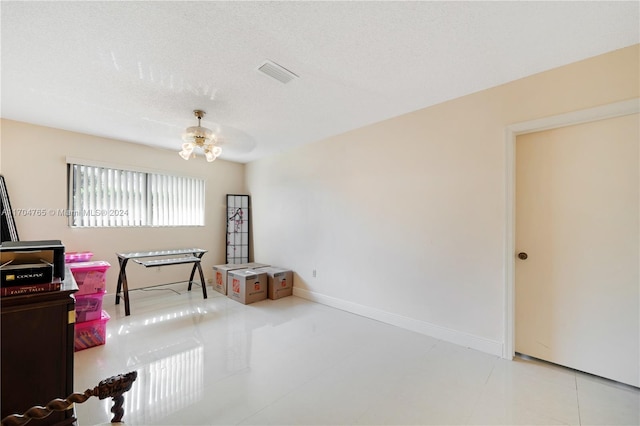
<point x="175" y="201"/>
<point x="102" y="196"/>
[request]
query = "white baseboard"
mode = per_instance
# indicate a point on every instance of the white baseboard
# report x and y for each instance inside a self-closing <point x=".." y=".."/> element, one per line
<point x="442" y="333"/>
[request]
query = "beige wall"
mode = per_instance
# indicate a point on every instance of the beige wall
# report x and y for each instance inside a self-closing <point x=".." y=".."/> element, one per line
<point x="404" y="220"/>
<point x="33" y="162"/>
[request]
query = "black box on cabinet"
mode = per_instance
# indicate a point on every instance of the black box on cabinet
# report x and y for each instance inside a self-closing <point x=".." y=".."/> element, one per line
<point x="34" y="252"/>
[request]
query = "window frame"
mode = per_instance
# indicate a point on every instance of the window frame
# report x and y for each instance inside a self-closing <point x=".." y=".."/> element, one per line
<point x="158" y="213"/>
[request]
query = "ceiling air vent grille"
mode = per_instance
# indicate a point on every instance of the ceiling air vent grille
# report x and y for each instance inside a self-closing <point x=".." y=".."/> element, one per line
<point x="276" y="71"/>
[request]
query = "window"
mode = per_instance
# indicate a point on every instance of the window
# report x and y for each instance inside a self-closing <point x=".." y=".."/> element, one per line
<point x="103" y="196"/>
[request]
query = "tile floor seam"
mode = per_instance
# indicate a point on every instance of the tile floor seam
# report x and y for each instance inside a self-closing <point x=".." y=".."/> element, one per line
<point x="480" y="393"/>
<point x="493" y="367"/>
<point x="575" y="378"/>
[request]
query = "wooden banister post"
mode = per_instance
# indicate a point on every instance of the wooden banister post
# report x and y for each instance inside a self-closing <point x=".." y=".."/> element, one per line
<point x="113" y="387"/>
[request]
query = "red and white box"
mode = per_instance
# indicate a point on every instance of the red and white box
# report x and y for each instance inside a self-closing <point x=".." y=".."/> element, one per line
<point x="280" y="282"/>
<point x="247" y="285"/>
<point x="220" y="275"/>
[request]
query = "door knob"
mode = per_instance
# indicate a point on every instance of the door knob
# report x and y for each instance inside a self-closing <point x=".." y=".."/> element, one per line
<point x="522" y="255"/>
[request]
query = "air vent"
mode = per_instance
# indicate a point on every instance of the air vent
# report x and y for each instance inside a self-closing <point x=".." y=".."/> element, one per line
<point x="276" y="71"/>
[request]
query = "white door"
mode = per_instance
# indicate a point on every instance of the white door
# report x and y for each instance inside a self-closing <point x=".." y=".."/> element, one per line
<point x="577" y="220"/>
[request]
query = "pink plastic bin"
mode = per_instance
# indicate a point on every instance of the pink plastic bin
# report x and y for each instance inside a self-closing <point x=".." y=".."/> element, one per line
<point x="72" y="256"/>
<point x="89" y="307"/>
<point x="91" y="277"/>
<point x="91" y="333"/>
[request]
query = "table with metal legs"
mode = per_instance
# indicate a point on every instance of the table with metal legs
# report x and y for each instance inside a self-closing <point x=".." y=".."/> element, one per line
<point x="160" y="258"/>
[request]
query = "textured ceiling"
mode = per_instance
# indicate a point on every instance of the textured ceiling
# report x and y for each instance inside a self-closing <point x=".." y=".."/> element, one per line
<point x="135" y="70"/>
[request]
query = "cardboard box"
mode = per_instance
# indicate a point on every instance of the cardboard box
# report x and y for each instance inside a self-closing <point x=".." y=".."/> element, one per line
<point x="254" y="265"/>
<point x="247" y="285"/>
<point x="280" y="282"/>
<point x="24" y="274"/>
<point x="220" y="275"/>
<point x="50" y="251"/>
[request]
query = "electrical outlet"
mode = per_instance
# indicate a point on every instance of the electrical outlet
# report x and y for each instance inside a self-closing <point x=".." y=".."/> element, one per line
<point x="314" y="273"/>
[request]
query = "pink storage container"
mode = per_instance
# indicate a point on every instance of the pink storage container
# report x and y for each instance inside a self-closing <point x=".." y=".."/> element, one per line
<point x="72" y="256"/>
<point x="91" y="277"/>
<point x="91" y="333"/>
<point x="88" y="307"/>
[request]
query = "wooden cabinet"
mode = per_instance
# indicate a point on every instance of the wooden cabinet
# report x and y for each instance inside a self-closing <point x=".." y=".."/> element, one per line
<point x="37" y="351"/>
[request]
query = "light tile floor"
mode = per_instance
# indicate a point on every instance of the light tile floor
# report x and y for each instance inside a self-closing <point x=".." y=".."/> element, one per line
<point x="291" y="361"/>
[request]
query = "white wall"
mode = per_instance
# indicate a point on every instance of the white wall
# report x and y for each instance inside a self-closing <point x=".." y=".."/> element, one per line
<point x="33" y="162"/>
<point x="404" y="220"/>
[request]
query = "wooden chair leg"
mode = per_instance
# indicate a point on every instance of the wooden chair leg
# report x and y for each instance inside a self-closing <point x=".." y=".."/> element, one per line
<point x="113" y="387"/>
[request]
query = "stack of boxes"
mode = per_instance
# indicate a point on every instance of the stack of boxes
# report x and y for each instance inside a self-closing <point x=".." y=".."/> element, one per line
<point x="251" y="282"/>
<point x="220" y="274"/>
<point x="91" y="320"/>
<point x="29" y="267"/>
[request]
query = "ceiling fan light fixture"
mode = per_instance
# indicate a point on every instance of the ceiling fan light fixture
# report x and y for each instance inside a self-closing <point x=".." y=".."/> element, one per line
<point x="211" y="152"/>
<point x="185" y="154"/>
<point x="198" y="136"/>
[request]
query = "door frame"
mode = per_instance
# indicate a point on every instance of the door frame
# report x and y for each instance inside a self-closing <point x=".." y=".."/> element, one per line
<point x="617" y="109"/>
